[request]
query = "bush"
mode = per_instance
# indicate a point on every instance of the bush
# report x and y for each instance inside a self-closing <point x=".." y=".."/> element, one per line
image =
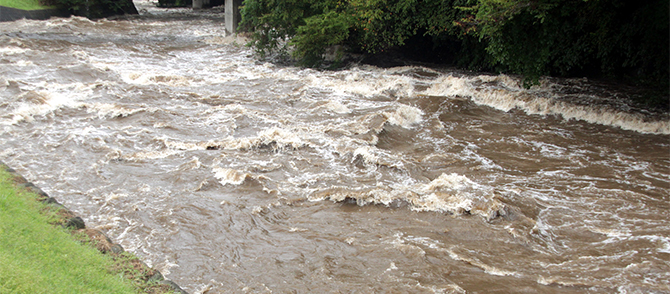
<point x="615" y="39"/>
<point x="95" y="8"/>
<point x="370" y="26"/>
<point x="621" y="39"/>
<point x="175" y="3"/>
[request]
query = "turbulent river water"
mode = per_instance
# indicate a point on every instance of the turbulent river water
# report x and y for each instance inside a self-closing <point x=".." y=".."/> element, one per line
<point x="233" y="175"/>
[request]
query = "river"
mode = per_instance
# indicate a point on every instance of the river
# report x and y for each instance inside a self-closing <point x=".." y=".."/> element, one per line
<point x="234" y="175"/>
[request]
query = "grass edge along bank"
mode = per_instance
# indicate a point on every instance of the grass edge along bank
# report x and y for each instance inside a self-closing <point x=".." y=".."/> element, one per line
<point x="24" y="4"/>
<point x="38" y="257"/>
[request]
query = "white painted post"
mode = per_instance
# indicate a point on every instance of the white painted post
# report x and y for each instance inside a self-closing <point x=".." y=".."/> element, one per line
<point x="233" y="16"/>
<point x="197" y="4"/>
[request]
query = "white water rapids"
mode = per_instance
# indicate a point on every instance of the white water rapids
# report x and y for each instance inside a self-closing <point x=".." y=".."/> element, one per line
<point x="232" y="175"/>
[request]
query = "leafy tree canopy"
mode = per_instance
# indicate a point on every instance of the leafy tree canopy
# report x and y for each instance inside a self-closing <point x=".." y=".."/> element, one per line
<point x="603" y="38"/>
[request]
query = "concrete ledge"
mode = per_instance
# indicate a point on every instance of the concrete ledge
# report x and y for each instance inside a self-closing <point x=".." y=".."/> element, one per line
<point x="12" y="14"/>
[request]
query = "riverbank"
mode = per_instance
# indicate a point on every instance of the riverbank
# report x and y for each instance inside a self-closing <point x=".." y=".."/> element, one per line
<point x="12" y="14"/>
<point x="25" y="4"/>
<point x="29" y="9"/>
<point x="33" y="9"/>
<point x="45" y="248"/>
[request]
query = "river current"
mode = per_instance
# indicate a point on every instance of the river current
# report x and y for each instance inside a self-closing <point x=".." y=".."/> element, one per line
<point x="233" y="175"/>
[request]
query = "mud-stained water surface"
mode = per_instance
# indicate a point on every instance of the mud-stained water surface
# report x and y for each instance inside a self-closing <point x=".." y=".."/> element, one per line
<point x="232" y="175"/>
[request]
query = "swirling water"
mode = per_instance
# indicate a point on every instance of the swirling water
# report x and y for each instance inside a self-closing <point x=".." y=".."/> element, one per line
<point x="232" y="175"/>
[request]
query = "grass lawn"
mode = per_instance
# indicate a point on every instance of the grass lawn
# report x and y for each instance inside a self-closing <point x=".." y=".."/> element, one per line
<point x="36" y="257"/>
<point x="23" y="4"/>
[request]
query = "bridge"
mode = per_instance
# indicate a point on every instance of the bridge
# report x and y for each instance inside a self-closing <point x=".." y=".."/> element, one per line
<point x="232" y="11"/>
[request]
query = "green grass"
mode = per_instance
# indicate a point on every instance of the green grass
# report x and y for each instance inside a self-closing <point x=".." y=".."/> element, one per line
<point x="23" y="4"/>
<point x="36" y="257"/>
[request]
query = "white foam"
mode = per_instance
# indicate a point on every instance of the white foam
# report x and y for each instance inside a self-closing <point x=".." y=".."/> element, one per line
<point x="144" y="155"/>
<point x="283" y="138"/>
<point x="456" y="194"/>
<point x="405" y="116"/>
<point x="167" y="265"/>
<point x="665" y="246"/>
<point x="229" y="176"/>
<point x="337" y="107"/>
<point x="150" y="78"/>
<point x="506" y="95"/>
<point x="113" y="196"/>
<point x="275" y="138"/>
<point x="449" y="193"/>
<point x="367" y="153"/>
<point x="476" y="262"/>
<point x="43" y="102"/>
<point x="24" y="63"/>
<point x="107" y="110"/>
<point x="12" y="50"/>
<point x="194" y="163"/>
<point x="613" y="235"/>
<point x="181" y="145"/>
<point x="364" y="81"/>
<point x="449" y="86"/>
<point x="501" y="92"/>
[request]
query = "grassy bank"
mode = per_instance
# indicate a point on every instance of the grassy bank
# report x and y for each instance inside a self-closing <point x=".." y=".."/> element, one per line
<point x="23" y="4"/>
<point x="37" y="257"/>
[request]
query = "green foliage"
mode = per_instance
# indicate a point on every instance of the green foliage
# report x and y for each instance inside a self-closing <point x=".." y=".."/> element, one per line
<point x="273" y="22"/>
<point x="24" y="4"/>
<point x="95" y="9"/>
<point x="614" y="38"/>
<point x="175" y="3"/>
<point x="371" y="26"/>
<point x="319" y="32"/>
<point x="602" y="38"/>
<point x="383" y="24"/>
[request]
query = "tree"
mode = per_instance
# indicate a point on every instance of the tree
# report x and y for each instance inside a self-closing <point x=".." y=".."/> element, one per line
<point x="603" y="38"/>
<point x="370" y="26"/>
<point x="610" y="38"/>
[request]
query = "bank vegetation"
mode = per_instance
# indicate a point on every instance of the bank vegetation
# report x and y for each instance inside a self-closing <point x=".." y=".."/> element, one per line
<point x="622" y="40"/>
<point x="45" y="249"/>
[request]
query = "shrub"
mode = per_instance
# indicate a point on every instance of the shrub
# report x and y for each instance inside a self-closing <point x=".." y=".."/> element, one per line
<point x="622" y="39"/>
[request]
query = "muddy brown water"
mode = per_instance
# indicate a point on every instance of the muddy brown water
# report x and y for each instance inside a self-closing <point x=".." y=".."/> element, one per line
<point x="231" y="175"/>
